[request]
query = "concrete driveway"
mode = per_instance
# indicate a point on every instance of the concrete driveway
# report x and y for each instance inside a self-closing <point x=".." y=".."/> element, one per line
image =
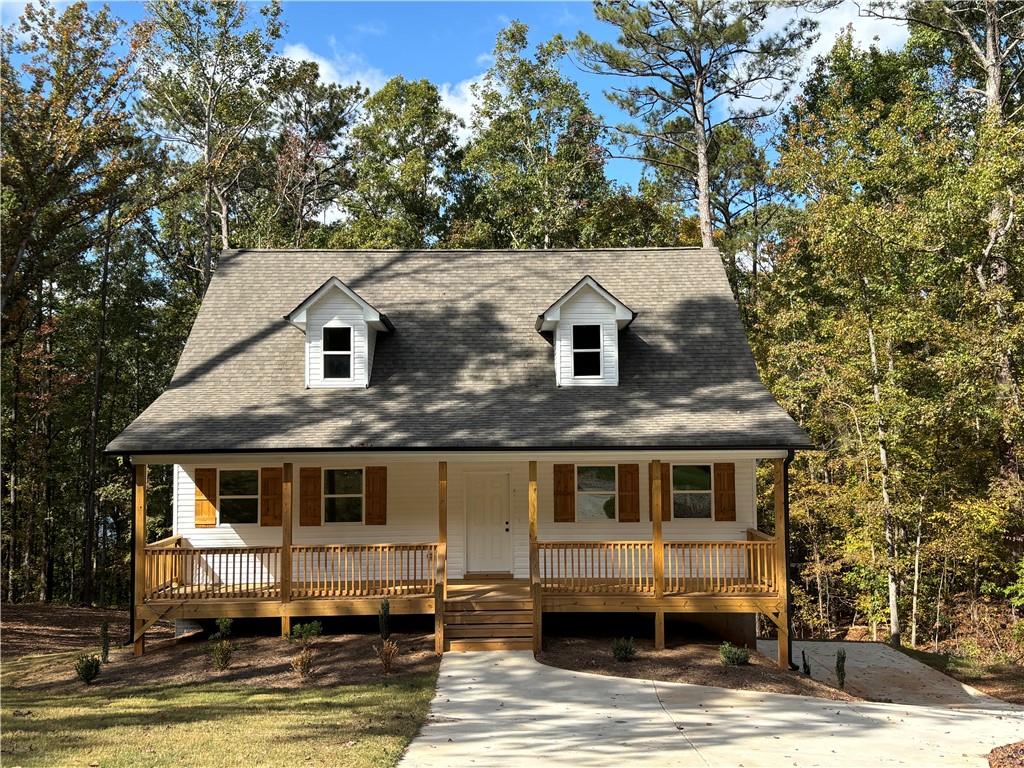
<point x="505" y="709"/>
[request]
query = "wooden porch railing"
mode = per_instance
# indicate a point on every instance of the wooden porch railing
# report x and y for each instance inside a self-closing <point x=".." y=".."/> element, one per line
<point x="719" y="567"/>
<point x="221" y="573"/>
<point x="363" y="570"/>
<point x="597" y="566"/>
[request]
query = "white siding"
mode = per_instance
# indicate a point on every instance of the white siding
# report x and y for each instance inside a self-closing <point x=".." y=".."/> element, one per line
<point x="587" y="307"/>
<point x="337" y="309"/>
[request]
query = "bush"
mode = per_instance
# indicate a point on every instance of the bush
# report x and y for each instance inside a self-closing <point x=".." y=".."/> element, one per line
<point x="387" y="652"/>
<point x="841" y="667"/>
<point x="222" y="651"/>
<point x="87" y="667"/>
<point x="223" y="629"/>
<point x="305" y="634"/>
<point x="733" y="655"/>
<point x="623" y="649"/>
<point x="302" y="662"/>
<point x="384" y="619"/>
<point x="105" y="642"/>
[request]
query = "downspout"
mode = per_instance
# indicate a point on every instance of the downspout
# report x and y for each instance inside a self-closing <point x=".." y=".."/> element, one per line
<point x="789" y="593"/>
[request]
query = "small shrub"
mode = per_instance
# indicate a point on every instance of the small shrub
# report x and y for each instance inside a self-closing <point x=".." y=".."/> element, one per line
<point x="105" y="642"/>
<point x="841" y="667"/>
<point x="387" y="652"/>
<point x="623" y="649"/>
<point x="733" y="655"/>
<point x="302" y="662"/>
<point x="384" y="619"/>
<point x="305" y="634"/>
<point x="804" y="664"/>
<point x="223" y="629"/>
<point x="222" y="651"/>
<point x="87" y="667"/>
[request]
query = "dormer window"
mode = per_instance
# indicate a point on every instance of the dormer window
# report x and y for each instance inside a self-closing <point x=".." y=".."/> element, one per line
<point x="337" y="352"/>
<point x="586" y="351"/>
<point x="584" y="325"/>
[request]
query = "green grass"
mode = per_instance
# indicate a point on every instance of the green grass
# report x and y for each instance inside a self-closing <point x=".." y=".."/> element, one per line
<point x="208" y="723"/>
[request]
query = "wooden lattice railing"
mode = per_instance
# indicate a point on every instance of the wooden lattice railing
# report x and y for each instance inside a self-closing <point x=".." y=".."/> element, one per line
<point x="363" y="570"/>
<point x="221" y="573"/>
<point x="719" y="567"/>
<point x="597" y="566"/>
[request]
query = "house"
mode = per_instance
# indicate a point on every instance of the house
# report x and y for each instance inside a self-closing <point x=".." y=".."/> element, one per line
<point x="485" y="436"/>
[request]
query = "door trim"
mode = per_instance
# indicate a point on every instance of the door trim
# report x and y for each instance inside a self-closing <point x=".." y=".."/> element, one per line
<point x="468" y="477"/>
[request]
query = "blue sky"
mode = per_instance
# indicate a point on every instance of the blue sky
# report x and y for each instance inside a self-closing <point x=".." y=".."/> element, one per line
<point x="450" y="42"/>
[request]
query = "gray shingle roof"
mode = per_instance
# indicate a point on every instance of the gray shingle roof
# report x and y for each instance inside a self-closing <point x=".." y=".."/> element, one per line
<point x="465" y="367"/>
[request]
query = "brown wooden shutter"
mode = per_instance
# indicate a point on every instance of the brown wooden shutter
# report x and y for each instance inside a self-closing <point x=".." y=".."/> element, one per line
<point x="725" y="491"/>
<point x="666" y="493"/>
<point x="565" y="493"/>
<point x="310" y="484"/>
<point x="629" y="493"/>
<point x="271" y="492"/>
<point x="206" y="498"/>
<point x="375" y="495"/>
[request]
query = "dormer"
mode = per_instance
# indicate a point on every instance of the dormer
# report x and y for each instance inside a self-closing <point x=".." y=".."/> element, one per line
<point x="341" y="331"/>
<point x="585" y="324"/>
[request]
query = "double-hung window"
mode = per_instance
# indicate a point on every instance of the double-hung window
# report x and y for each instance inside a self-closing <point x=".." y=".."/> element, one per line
<point x="343" y="495"/>
<point x="586" y="351"/>
<point x="239" y="493"/>
<point x="595" y="493"/>
<point x="337" y="352"/>
<point x="691" y="491"/>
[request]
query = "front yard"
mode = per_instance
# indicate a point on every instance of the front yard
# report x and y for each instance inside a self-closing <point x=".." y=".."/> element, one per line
<point x="171" y="708"/>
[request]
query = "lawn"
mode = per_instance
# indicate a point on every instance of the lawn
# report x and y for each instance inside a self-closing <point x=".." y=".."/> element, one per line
<point x="171" y="708"/>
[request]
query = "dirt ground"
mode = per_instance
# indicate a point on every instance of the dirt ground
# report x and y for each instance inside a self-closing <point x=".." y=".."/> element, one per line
<point x="1010" y="756"/>
<point x="696" y="663"/>
<point x="34" y="628"/>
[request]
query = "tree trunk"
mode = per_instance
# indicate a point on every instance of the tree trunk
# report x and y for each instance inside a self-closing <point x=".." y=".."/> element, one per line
<point x="917" y="582"/>
<point x="700" y="143"/>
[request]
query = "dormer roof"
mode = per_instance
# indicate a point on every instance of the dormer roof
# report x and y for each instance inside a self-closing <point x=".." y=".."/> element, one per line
<point x="549" y="318"/>
<point x="373" y="316"/>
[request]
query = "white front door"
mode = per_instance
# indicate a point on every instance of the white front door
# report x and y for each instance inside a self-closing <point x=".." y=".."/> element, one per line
<point x="488" y="522"/>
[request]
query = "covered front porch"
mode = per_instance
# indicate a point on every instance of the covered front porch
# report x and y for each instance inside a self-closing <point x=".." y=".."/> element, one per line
<point x="184" y="577"/>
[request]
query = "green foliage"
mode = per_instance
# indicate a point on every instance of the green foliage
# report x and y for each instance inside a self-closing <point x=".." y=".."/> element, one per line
<point x="623" y="649"/>
<point x="87" y="667"/>
<point x="306" y="634"/>
<point x="384" y="619"/>
<point x="1015" y="590"/>
<point x="841" y="667"/>
<point x="733" y="655"/>
<point x="105" y="642"/>
<point x="224" y="625"/>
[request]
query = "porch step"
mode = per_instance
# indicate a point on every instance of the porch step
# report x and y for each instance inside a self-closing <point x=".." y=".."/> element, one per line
<point x="489" y="617"/>
<point x="489" y="631"/>
<point x="486" y="605"/>
<point x="494" y="644"/>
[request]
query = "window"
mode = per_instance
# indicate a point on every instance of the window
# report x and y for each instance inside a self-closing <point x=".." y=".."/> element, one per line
<point x="343" y="495"/>
<point x="337" y="353"/>
<point x="239" y="492"/>
<point x="586" y="351"/>
<point x="691" y="491"/>
<point x="595" y="493"/>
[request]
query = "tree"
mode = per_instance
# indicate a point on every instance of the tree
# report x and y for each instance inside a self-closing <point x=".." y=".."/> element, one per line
<point x="534" y="160"/>
<point x="690" y="68"/>
<point x="208" y="79"/>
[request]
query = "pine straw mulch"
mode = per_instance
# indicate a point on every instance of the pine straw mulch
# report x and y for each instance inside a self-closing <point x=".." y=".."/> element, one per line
<point x="695" y="663"/>
<point x="1010" y="756"/>
<point x="35" y="628"/>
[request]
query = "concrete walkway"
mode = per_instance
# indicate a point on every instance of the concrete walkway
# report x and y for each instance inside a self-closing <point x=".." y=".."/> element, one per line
<point x="877" y="672"/>
<point x="505" y="710"/>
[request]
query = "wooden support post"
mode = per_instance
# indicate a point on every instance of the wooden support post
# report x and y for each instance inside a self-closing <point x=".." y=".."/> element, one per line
<point x="441" y="575"/>
<point x="659" y="552"/>
<point x="285" y="566"/>
<point x="141" y="473"/>
<point x="535" y="595"/>
<point x="781" y="575"/>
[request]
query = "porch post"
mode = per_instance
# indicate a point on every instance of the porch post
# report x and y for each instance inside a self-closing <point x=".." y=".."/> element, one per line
<point x="441" y="574"/>
<point x="139" y="551"/>
<point x="535" y="594"/>
<point x="285" y="564"/>
<point x="781" y="492"/>
<point x="659" y="553"/>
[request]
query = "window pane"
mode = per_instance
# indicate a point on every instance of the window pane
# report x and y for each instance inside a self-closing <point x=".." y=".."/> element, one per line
<point x="344" y="509"/>
<point x="337" y="366"/>
<point x="239" y="510"/>
<point x="239" y="482"/>
<point x="337" y="339"/>
<point x="595" y="507"/>
<point x="691" y="478"/>
<point x="595" y="478"/>
<point x="586" y="363"/>
<point x="343" y="481"/>
<point x="586" y="337"/>
<point x="691" y="505"/>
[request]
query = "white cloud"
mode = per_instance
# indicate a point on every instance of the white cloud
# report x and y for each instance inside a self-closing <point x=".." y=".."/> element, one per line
<point x="344" y="68"/>
<point x="460" y="99"/>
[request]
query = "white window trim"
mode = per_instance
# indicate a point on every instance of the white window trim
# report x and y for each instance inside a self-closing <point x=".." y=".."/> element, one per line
<point x="324" y="496"/>
<point x="351" y="351"/>
<point x="600" y="355"/>
<point x="576" y="489"/>
<point x="710" y="492"/>
<point x="258" y="496"/>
